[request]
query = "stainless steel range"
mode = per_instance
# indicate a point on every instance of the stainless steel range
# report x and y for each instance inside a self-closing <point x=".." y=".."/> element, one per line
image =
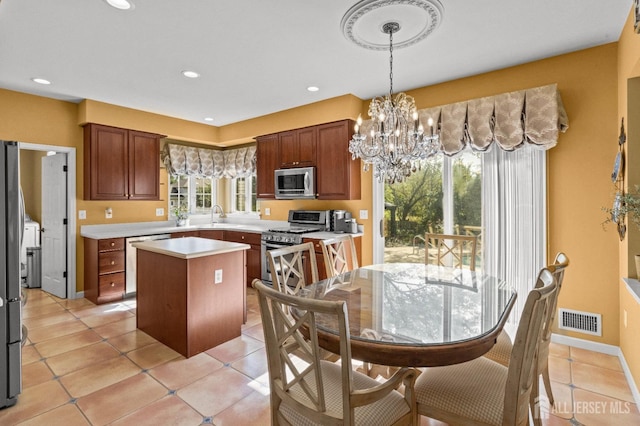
<point x="300" y="222"/>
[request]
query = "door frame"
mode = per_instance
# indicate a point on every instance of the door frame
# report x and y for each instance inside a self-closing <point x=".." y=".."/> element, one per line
<point x="71" y="233"/>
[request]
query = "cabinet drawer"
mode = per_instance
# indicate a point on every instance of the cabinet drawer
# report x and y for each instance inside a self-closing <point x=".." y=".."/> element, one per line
<point x="242" y="237"/>
<point x="111" y="244"/>
<point x="111" y="284"/>
<point x="111" y="261"/>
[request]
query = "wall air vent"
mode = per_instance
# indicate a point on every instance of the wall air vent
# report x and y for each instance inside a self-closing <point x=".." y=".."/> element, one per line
<point x="583" y="322"/>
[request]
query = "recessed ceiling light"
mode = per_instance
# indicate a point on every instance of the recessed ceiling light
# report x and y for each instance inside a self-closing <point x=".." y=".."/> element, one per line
<point x="208" y="119"/>
<point x="313" y="88"/>
<point x="40" y="80"/>
<point x="190" y="74"/>
<point x="120" y="4"/>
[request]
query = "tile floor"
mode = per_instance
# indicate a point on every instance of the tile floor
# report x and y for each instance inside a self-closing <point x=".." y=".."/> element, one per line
<point x="86" y="364"/>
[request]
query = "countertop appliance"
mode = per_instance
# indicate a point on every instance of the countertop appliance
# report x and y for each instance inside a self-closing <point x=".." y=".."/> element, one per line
<point x="131" y="260"/>
<point x="335" y="216"/>
<point x="12" y="219"/>
<point x="297" y="183"/>
<point x="300" y="222"/>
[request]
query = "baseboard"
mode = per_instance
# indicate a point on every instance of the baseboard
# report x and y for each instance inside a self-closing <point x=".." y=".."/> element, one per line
<point x="79" y="295"/>
<point x="602" y="348"/>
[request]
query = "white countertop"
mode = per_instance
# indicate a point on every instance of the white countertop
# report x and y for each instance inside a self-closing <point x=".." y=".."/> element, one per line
<point x="121" y="230"/>
<point x="190" y="247"/>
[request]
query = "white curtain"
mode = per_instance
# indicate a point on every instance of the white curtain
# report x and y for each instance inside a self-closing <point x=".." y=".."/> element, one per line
<point x="514" y="218"/>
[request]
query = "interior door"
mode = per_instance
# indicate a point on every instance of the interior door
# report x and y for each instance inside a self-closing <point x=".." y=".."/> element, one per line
<point x="54" y="227"/>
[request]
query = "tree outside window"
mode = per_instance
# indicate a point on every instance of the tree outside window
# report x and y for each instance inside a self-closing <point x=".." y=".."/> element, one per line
<point x="444" y="196"/>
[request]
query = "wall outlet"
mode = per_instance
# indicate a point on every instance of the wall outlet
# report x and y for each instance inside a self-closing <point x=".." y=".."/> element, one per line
<point x="364" y="214"/>
<point x="108" y="213"/>
<point x="160" y="211"/>
<point x="267" y="211"/>
<point x="82" y="214"/>
<point x="217" y="279"/>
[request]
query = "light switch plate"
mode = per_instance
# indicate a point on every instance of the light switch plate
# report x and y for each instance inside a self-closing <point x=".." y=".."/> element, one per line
<point x="267" y="211"/>
<point x="160" y="211"/>
<point x="82" y="214"/>
<point x="217" y="276"/>
<point x="108" y="213"/>
<point x="364" y="214"/>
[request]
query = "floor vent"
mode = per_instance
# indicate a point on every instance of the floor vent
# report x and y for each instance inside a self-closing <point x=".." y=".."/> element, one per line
<point x="583" y="322"/>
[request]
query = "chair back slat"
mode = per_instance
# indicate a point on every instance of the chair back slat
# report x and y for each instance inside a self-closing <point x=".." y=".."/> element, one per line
<point x="298" y="382"/>
<point x="293" y="267"/>
<point x="523" y="361"/>
<point x="458" y="251"/>
<point x="339" y="255"/>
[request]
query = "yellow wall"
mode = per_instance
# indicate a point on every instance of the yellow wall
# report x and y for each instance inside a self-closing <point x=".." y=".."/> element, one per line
<point x="629" y="108"/>
<point x="30" y="181"/>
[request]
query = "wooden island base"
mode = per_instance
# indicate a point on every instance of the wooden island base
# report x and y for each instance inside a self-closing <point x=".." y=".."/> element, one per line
<point x="179" y="303"/>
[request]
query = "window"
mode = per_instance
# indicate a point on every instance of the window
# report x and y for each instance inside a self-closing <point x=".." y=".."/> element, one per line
<point x="192" y="194"/>
<point x="243" y="195"/>
<point x="445" y="196"/>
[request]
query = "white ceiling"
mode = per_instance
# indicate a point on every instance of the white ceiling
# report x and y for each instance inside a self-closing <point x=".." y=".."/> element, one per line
<point x="256" y="57"/>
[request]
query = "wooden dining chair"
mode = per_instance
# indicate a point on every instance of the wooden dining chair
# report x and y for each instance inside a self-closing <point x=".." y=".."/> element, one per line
<point x="321" y="392"/>
<point x="293" y="267"/>
<point x="481" y="391"/>
<point x="340" y="255"/>
<point x="501" y="351"/>
<point x="458" y="251"/>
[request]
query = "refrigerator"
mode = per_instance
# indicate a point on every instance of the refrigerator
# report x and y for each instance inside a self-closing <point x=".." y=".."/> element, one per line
<point x="12" y="220"/>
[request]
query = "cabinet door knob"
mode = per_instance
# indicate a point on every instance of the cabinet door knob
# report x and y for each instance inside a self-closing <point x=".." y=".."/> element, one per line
<point x="113" y="262"/>
<point x="243" y="237"/>
<point x="113" y="284"/>
<point x="113" y="243"/>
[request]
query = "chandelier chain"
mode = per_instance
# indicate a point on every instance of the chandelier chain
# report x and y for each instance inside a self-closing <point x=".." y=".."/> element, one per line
<point x="391" y="62"/>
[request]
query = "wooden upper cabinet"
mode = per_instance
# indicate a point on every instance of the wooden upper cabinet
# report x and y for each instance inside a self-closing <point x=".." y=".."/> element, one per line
<point x="338" y="176"/>
<point x="121" y="164"/>
<point x="325" y="146"/>
<point x="298" y="148"/>
<point x="267" y="160"/>
<point x="144" y="166"/>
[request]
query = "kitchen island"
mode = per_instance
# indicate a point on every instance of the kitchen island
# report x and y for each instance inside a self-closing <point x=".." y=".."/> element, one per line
<point x="191" y="292"/>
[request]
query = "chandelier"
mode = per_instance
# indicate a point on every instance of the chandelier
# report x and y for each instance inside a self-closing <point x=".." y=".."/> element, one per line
<point x="397" y="143"/>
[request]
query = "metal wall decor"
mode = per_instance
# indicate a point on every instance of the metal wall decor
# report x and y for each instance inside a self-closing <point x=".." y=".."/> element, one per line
<point x="617" y="177"/>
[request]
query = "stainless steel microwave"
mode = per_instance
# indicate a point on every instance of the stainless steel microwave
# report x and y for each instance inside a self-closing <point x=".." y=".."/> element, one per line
<point x="295" y="183"/>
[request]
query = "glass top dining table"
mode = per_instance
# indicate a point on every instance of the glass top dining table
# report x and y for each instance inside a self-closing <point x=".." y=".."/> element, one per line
<point x="416" y="315"/>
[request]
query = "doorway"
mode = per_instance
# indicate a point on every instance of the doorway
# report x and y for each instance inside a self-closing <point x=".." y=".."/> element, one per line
<point x="64" y="265"/>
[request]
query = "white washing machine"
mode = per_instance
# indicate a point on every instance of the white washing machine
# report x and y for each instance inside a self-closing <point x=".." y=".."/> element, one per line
<point x="31" y="238"/>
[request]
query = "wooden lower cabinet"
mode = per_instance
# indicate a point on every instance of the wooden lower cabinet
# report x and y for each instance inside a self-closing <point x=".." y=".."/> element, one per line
<point x="322" y="273"/>
<point x="180" y="305"/>
<point x="104" y="269"/>
<point x="253" y="255"/>
<point x="185" y="234"/>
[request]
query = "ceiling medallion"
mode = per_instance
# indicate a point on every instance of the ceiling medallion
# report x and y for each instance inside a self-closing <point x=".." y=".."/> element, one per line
<point x="362" y="24"/>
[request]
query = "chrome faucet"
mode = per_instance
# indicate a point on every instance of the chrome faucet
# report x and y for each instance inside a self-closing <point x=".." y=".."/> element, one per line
<point x="213" y="210"/>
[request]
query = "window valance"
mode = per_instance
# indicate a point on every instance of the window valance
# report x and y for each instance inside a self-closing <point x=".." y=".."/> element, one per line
<point x="508" y="120"/>
<point x="230" y="163"/>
